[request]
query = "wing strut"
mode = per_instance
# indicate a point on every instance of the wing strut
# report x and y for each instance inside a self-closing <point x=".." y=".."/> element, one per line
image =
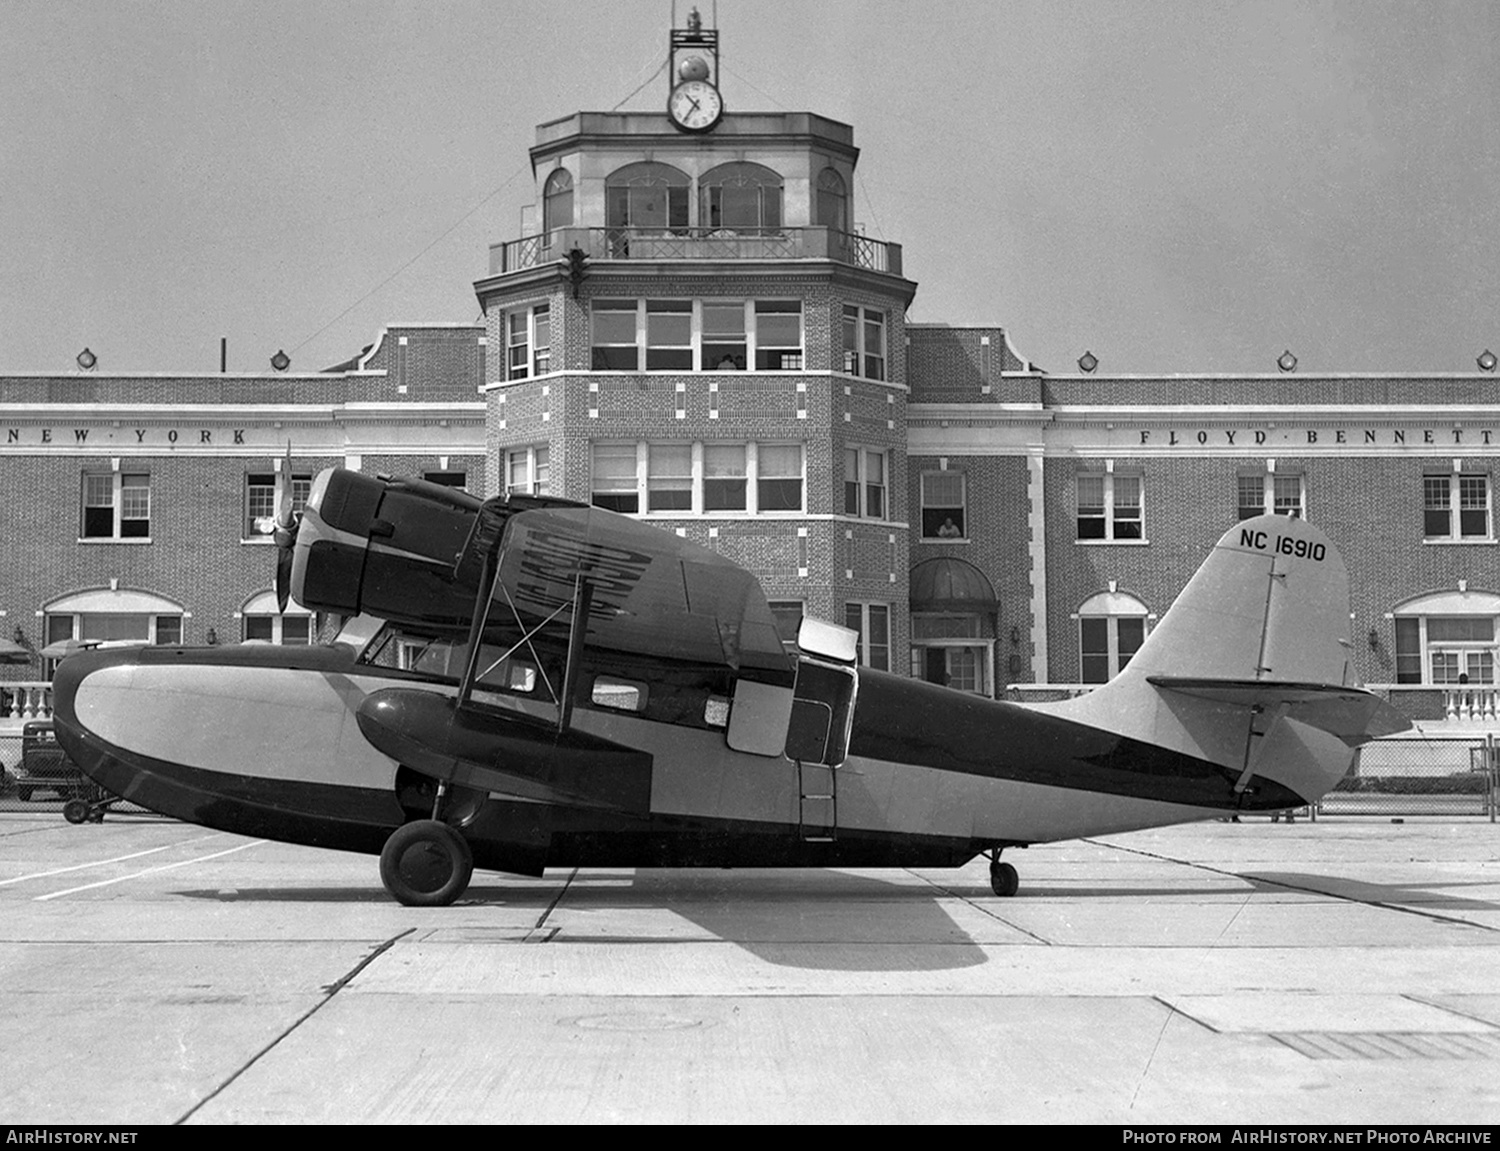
<point x="583" y="594"/>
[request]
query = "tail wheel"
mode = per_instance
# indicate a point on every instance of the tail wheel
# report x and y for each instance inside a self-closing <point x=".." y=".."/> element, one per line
<point x="76" y="811"/>
<point x="1004" y="880"/>
<point x="426" y="863"/>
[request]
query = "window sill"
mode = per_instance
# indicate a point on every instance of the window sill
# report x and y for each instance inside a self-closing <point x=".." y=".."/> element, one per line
<point x="258" y="541"/>
<point x="945" y="540"/>
<point x="128" y="540"/>
<point x="1112" y="543"/>
<point x="1448" y="542"/>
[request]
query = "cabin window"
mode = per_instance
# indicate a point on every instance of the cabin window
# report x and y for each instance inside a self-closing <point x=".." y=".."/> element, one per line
<point x="716" y="711"/>
<point x="1456" y="507"/>
<point x="116" y="506"/>
<point x="1109" y="507"/>
<point x="618" y="694"/>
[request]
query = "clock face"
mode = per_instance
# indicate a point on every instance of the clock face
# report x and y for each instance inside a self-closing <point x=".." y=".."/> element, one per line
<point x="695" y="106"/>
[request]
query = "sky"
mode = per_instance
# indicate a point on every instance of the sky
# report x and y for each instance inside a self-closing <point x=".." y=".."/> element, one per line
<point x="1177" y="186"/>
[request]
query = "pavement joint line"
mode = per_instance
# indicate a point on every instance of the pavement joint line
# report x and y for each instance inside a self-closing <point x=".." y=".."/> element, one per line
<point x="148" y="871"/>
<point x="328" y="993"/>
<point x="981" y="908"/>
<point x="1252" y="878"/>
<point x="104" y="862"/>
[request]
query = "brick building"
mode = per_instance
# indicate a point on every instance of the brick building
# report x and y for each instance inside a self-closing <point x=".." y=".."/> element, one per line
<point x="693" y="329"/>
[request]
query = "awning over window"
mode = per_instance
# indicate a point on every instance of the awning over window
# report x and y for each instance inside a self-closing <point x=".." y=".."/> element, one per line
<point x="946" y="584"/>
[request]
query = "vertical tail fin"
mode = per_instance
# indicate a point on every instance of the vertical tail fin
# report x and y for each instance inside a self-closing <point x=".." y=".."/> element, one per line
<point x="1251" y="666"/>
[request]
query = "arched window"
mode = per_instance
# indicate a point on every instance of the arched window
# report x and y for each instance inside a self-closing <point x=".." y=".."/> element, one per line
<point x="740" y="196"/>
<point x="833" y="201"/>
<point x="106" y="615"/>
<point x="557" y="201"/>
<point x="1111" y="628"/>
<point x="1448" y="635"/>
<point x="261" y="622"/>
<point x="646" y="195"/>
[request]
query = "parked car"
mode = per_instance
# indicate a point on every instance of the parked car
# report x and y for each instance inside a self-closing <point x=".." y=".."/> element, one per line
<point x="45" y="766"/>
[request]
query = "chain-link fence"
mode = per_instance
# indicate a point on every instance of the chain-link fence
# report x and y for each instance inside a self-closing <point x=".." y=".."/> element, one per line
<point x="36" y="776"/>
<point x="1407" y="776"/>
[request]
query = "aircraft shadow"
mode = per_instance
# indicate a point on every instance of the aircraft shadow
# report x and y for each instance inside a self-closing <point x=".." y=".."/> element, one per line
<point x="804" y="918"/>
<point x="1432" y="896"/>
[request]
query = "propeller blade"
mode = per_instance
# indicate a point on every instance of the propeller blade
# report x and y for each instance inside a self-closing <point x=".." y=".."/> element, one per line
<point x="285" y="534"/>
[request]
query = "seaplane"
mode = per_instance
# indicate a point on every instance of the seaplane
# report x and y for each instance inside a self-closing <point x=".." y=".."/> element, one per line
<point x="525" y="682"/>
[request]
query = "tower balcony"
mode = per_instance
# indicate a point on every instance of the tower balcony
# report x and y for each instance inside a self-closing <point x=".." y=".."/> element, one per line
<point x="722" y="244"/>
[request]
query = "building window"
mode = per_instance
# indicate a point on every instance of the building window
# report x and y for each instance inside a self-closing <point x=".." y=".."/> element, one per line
<point x="526" y="471"/>
<point x="1456" y="506"/>
<point x="615" y="484"/>
<point x="946" y="649"/>
<point x="778" y="478"/>
<point x="447" y="479"/>
<point x="669" y="335"/>
<point x="110" y="627"/>
<point x="740" y="196"/>
<point x="647" y="195"/>
<point x="528" y="342"/>
<point x="873" y="623"/>
<point x="726" y="476"/>
<point x="1111" y="629"/>
<point x="832" y="201"/>
<point x="1272" y="493"/>
<point x="669" y="478"/>
<point x="693" y="478"/>
<point x="292" y="630"/>
<point x="865" y="483"/>
<point x="864" y="342"/>
<point x="615" y="344"/>
<point x="943" y="506"/>
<point x="263" y="496"/>
<point x="1445" y="650"/>
<point x="116" y="505"/>
<point x="697" y="335"/>
<point x="557" y="201"/>
<point x="1109" y="507"/>
<point x="724" y="336"/>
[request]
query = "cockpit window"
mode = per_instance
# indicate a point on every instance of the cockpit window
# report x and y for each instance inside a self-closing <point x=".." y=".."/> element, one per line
<point x="445" y="659"/>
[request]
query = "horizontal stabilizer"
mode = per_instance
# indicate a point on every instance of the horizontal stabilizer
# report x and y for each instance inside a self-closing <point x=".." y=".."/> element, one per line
<point x="1352" y="714"/>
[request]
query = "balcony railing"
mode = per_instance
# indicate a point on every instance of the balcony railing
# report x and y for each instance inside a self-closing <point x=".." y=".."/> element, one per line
<point x="697" y="244"/>
<point x="28" y="699"/>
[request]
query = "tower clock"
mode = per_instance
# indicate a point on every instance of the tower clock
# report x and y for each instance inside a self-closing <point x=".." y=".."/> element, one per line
<point x="695" y="103"/>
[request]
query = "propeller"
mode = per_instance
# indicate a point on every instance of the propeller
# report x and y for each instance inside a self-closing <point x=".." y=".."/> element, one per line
<point x="285" y="535"/>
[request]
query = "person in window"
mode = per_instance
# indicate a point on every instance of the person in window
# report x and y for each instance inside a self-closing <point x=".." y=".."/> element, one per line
<point x="727" y="364"/>
<point x="949" y="530"/>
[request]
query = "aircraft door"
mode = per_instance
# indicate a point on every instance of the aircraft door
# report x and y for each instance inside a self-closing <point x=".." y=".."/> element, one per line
<point x="818" y="740"/>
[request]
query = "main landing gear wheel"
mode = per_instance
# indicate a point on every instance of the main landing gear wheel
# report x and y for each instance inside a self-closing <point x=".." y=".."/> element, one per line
<point x="1004" y="880"/>
<point x="426" y="863"/>
<point x="76" y="811"/>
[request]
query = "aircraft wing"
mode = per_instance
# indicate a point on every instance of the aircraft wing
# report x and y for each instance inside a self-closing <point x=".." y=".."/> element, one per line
<point x="652" y="593"/>
<point x="1352" y="714"/>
